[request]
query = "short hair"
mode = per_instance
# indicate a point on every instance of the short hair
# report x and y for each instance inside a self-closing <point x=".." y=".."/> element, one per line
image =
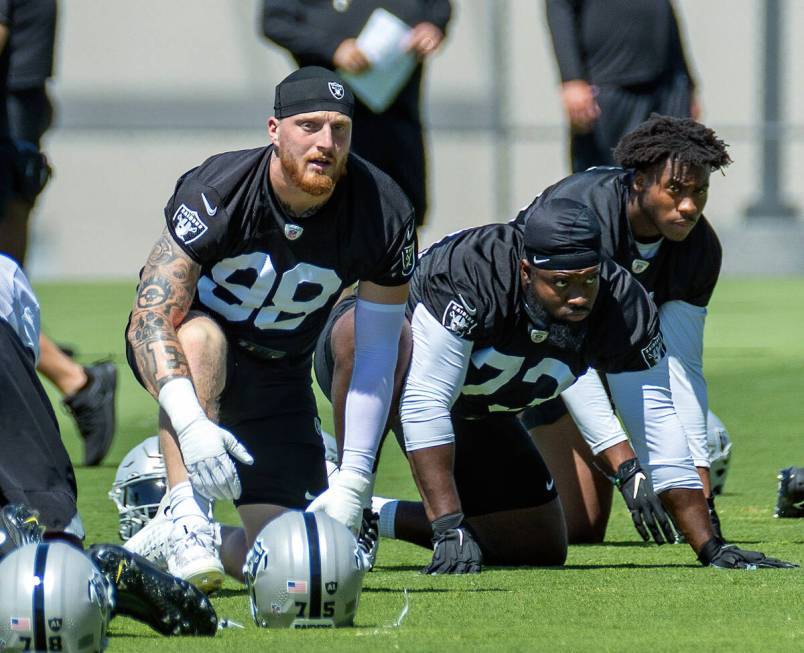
<point x="681" y="140"/>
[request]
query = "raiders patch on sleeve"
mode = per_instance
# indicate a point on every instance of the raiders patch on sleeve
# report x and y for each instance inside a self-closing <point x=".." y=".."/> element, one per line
<point x="654" y="351"/>
<point x="187" y="225"/>
<point x="459" y="318"/>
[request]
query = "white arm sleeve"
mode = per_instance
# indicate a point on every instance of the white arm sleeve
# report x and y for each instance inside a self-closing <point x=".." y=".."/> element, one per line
<point x="18" y="304"/>
<point x="377" y="329"/>
<point x="587" y="402"/>
<point x="682" y="329"/>
<point x="645" y="405"/>
<point x="437" y="372"/>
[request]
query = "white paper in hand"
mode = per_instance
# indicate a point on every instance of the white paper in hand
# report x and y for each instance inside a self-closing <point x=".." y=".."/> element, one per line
<point x="383" y="40"/>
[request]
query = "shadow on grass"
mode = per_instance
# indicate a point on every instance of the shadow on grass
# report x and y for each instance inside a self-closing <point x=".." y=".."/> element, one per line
<point x="624" y="565"/>
<point x="226" y="592"/>
<point x="431" y="590"/>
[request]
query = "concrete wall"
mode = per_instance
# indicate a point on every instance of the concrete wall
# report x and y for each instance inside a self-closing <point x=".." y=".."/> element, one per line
<point x="147" y="90"/>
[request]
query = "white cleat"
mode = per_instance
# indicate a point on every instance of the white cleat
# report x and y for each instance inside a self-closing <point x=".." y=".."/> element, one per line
<point x="152" y="541"/>
<point x="194" y="555"/>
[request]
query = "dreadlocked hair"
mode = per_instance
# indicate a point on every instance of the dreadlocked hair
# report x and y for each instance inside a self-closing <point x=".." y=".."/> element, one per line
<point x="681" y="140"/>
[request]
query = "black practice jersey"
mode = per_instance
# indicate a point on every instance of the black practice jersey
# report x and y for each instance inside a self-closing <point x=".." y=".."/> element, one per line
<point x="271" y="280"/>
<point x="470" y="283"/>
<point x="685" y="271"/>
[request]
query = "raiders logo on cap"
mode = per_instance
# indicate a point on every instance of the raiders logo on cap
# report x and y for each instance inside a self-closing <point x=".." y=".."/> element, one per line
<point x="638" y="265"/>
<point x="293" y="231"/>
<point x="336" y="90"/>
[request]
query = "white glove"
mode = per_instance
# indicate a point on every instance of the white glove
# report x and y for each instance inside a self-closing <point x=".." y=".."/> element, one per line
<point x="349" y="492"/>
<point x="204" y="445"/>
<point x="206" y="448"/>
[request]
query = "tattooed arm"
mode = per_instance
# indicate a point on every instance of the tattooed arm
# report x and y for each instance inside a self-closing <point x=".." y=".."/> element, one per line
<point x="167" y="287"/>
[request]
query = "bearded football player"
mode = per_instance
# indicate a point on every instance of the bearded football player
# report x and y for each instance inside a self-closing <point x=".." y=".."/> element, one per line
<point x="508" y="316"/>
<point x="257" y="248"/>
<point x="652" y="223"/>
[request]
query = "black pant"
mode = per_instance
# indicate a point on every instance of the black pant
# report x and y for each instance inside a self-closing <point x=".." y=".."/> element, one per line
<point x="395" y="145"/>
<point x="621" y="110"/>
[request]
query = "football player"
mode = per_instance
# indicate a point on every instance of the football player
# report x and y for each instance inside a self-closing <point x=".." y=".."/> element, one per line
<point x="35" y="468"/>
<point x="259" y="244"/>
<point x="507" y="316"/>
<point x="651" y="217"/>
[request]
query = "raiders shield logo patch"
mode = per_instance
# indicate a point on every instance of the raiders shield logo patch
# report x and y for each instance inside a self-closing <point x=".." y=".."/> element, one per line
<point x="187" y="225"/>
<point x="336" y="90"/>
<point x="332" y="587"/>
<point x="293" y="231"/>
<point x="654" y="351"/>
<point x="638" y="265"/>
<point x="457" y="319"/>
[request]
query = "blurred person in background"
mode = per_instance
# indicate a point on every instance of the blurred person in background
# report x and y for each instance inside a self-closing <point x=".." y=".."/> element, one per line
<point x="323" y="33"/>
<point x="88" y="392"/>
<point x="619" y="61"/>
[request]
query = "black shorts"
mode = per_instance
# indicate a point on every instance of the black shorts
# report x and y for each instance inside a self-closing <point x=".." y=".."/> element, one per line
<point x="270" y="408"/>
<point x="543" y="414"/>
<point x="323" y="362"/>
<point x="34" y="466"/>
<point x="497" y="466"/>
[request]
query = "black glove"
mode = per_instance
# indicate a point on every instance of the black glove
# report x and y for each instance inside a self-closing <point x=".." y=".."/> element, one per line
<point x="716" y="553"/>
<point x="455" y="550"/>
<point x="646" y="508"/>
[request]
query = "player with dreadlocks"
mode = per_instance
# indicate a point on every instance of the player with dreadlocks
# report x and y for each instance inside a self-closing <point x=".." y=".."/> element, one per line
<point x="651" y="214"/>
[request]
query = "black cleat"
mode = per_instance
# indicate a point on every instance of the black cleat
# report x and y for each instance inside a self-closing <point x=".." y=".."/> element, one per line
<point x="169" y="605"/>
<point x="92" y="407"/>
<point x="368" y="539"/>
<point x="19" y="525"/>
<point x="790" y="498"/>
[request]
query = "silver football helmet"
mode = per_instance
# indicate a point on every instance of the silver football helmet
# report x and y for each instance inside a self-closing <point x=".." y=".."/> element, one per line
<point x="139" y="485"/>
<point x="304" y="571"/>
<point x="719" y="445"/>
<point x="53" y="599"/>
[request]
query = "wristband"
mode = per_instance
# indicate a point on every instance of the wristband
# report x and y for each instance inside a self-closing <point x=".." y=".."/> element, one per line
<point x="178" y="399"/>
<point x="446" y="522"/>
<point x="709" y="551"/>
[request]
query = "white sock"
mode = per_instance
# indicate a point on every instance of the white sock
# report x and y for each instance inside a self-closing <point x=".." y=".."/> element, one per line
<point x="184" y="508"/>
<point x="387" y="510"/>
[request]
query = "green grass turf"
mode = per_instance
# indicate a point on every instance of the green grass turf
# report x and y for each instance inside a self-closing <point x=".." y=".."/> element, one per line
<point x="621" y="595"/>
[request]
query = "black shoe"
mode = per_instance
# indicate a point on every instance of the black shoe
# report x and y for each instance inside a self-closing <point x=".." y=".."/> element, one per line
<point x="93" y="409"/>
<point x="368" y="540"/>
<point x="790" y="498"/>
<point x="169" y="605"/>
<point x="714" y="519"/>
<point x="19" y="525"/>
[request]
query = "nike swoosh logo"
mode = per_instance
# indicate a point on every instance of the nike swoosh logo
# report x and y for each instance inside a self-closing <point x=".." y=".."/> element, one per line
<point x="469" y="308"/>
<point x="210" y="210"/>
<point x="799" y="505"/>
<point x="550" y="484"/>
<point x="409" y="232"/>
<point x="537" y="261"/>
<point x="639" y="478"/>
<point x="309" y="496"/>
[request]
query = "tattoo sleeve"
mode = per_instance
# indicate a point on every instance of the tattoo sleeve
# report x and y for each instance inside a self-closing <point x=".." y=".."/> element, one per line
<point x="164" y="295"/>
